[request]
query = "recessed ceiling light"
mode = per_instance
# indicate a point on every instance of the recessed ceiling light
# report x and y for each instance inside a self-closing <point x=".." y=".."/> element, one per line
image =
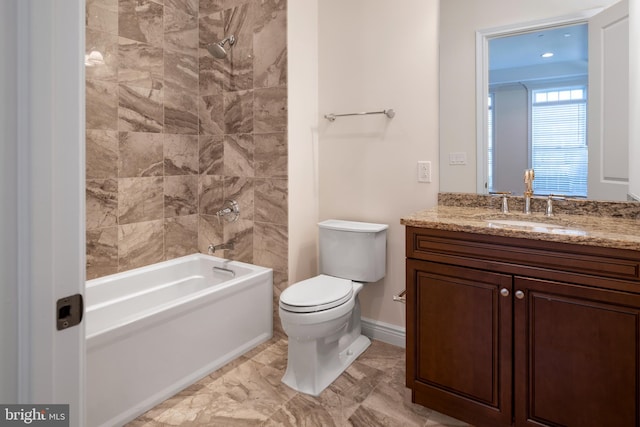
<point x="547" y="55"/>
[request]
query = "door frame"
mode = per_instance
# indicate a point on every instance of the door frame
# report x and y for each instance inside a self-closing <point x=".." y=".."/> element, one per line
<point x="50" y="199"/>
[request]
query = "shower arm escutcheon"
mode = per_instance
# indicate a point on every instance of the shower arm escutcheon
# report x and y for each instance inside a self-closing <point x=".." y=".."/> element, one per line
<point x="230" y="211"/>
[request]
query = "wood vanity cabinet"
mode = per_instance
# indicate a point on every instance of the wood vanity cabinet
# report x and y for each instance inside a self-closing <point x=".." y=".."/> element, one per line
<point x="507" y="331"/>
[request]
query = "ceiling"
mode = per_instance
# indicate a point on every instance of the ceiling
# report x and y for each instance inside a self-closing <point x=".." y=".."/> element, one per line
<point x="568" y="43"/>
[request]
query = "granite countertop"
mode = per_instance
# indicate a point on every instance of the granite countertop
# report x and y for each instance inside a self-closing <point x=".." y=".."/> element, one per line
<point x="577" y="227"/>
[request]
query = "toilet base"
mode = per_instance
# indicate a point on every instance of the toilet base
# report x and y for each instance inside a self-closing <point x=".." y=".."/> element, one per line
<point x="315" y="367"/>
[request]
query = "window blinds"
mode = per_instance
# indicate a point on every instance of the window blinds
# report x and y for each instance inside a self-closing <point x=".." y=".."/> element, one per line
<point x="559" y="141"/>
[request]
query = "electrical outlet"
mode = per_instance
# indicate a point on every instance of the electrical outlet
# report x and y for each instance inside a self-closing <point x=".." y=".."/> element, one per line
<point x="424" y="171"/>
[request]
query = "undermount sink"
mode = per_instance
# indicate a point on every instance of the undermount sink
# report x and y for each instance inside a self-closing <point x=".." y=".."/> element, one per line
<point x="526" y="224"/>
<point x="540" y="227"/>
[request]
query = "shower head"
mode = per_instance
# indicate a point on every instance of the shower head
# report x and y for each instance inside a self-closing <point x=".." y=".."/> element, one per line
<point x="217" y="49"/>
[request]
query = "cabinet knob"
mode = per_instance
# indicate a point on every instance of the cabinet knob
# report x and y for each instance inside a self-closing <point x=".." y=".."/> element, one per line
<point x="504" y="292"/>
<point x="519" y="294"/>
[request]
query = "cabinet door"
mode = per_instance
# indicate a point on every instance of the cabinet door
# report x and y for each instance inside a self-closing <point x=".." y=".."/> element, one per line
<point x="576" y="355"/>
<point x="459" y="346"/>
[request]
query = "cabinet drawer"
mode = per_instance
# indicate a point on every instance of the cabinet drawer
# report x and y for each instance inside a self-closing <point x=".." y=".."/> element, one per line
<point x="437" y="245"/>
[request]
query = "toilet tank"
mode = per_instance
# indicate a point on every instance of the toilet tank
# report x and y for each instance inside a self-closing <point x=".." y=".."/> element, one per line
<point x="353" y="250"/>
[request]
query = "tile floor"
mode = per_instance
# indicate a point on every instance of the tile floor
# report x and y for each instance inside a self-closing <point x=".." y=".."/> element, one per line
<point x="248" y="392"/>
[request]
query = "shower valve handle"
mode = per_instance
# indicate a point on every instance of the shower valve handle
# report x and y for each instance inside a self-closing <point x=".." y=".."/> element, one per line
<point x="230" y="211"/>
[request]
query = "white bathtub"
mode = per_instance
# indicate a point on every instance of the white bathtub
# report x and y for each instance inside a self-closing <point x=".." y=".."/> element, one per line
<point x="155" y="330"/>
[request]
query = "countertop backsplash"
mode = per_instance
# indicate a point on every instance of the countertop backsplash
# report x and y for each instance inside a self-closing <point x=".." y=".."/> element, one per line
<point x="569" y="206"/>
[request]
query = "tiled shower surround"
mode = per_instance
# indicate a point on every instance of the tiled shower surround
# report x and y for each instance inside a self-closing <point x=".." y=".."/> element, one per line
<point x="172" y="132"/>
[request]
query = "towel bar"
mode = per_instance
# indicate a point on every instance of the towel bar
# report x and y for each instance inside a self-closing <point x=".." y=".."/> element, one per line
<point x="332" y="117"/>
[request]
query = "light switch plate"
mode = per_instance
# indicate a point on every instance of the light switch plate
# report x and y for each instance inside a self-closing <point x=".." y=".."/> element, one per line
<point x="458" y="158"/>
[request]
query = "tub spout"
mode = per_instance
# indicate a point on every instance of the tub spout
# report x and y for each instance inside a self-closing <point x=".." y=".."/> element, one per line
<point x="213" y="248"/>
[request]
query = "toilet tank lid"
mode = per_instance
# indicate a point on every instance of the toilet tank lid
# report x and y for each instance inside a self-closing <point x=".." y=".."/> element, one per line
<point x="362" y="227"/>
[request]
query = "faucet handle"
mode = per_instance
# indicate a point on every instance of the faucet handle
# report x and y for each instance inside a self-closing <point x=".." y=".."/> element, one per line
<point x="230" y="211"/>
<point x="505" y="196"/>
<point x="549" y="210"/>
<point x="550" y="199"/>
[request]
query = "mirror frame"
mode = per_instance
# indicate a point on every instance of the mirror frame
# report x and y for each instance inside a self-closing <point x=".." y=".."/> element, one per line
<point x="482" y="78"/>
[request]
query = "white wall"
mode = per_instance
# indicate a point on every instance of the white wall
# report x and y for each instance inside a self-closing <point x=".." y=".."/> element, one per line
<point x="634" y="98"/>
<point x="8" y="212"/>
<point x="302" y="46"/>
<point x="459" y="19"/>
<point x="374" y="55"/>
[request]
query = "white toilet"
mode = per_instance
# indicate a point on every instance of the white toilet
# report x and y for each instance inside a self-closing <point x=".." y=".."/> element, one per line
<point x="321" y="315"/>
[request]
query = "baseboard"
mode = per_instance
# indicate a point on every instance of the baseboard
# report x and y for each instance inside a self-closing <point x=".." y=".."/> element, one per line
<point x="385" y="332"/>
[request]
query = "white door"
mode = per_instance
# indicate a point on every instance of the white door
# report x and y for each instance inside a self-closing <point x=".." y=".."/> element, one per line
<point x="50" y="141"/>
<point x="608" y="114"/>
<point x="9" y="343"/>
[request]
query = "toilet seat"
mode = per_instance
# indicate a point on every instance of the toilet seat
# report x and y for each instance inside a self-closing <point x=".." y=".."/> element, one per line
<point x="316" y="294"/>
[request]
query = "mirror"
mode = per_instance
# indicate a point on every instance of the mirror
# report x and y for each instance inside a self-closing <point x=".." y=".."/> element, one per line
<point x="463" y="91"/>
<point x="537" y="111"/>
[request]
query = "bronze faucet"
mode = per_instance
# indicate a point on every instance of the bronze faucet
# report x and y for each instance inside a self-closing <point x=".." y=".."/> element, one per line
<point x="529" y="176"/>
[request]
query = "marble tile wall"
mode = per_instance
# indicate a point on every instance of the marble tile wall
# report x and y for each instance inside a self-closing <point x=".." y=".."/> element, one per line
<point x="173" y="132"/>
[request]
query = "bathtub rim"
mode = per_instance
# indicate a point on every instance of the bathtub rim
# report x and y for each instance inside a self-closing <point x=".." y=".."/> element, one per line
<point x="170" y="262"/>
<point x="178" y="306"/>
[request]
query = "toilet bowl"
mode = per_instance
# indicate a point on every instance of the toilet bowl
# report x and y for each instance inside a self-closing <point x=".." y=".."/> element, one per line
<point x="321" y="315"/>
<point x="323" y="342"/>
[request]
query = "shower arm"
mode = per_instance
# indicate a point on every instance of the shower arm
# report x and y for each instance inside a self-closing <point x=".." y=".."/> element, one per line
<point x="231" y="39"/>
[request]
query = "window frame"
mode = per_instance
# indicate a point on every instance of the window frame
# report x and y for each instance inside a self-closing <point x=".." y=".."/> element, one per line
<point x="557" y="86"/>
